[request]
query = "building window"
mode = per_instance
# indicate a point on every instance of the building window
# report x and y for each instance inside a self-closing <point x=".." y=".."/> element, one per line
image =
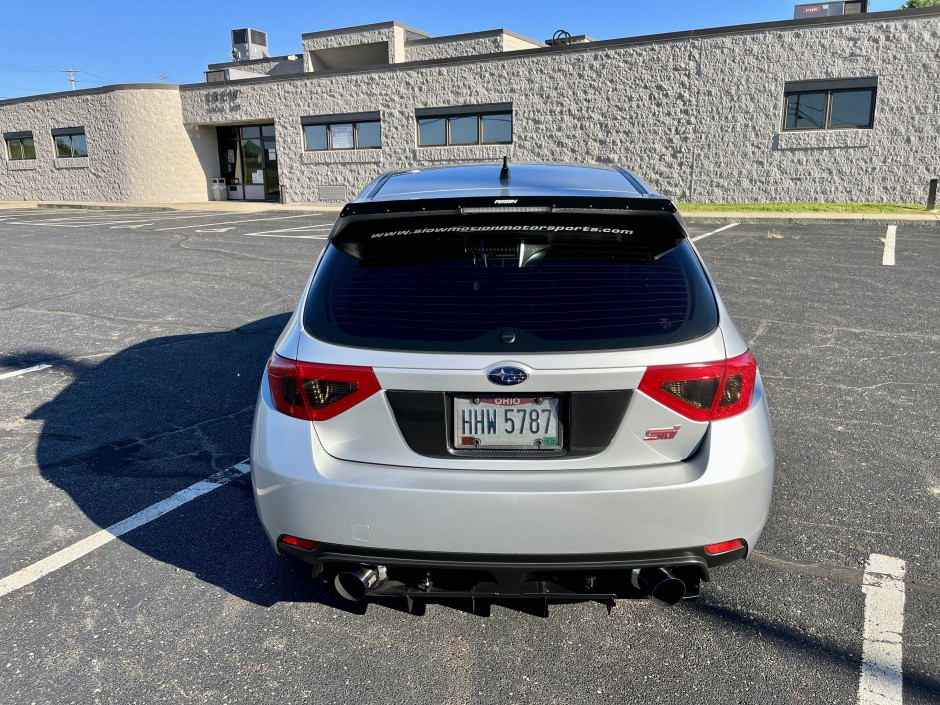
<point x="830" y="105"/>
<point x="20" y="145"/>
<point x="70" y="142"/>
<point x="339" y="132"/>
<point x="469" y="124"/>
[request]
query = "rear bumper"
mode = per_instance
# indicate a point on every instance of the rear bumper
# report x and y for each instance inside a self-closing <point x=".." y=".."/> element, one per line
<point x="419" y="574"/>
<point x="720" y="493"/>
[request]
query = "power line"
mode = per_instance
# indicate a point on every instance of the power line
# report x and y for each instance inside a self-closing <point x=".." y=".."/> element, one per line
<point x="102" y="78"/>
<point x="27" y="69"/>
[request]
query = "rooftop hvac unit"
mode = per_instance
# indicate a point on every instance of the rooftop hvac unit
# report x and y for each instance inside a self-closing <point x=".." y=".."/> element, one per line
<point x="249" y="44"/>
<point x="830" y="9"/>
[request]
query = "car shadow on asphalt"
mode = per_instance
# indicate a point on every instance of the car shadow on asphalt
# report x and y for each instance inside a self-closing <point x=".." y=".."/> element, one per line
<point x="131" y="429"/>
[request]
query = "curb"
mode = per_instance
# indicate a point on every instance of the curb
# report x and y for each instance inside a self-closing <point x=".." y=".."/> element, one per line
<point x="103" y="207"/>
<point x="925" y="221"/>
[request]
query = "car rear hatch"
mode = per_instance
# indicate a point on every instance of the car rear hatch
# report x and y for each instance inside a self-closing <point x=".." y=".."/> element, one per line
<point x="508" y="337"/>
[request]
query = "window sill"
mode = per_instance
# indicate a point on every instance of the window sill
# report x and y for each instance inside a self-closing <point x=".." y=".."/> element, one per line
<point x="22" y="164"/>
<point x="342" y="156"/>
<point x="70" y="163"/>
<point x="823" y="139"/>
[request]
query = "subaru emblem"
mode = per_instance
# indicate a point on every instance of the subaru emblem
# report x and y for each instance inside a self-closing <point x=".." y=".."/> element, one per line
<point x="507" y="376"/>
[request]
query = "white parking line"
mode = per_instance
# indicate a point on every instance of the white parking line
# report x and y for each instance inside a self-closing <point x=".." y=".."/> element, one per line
<point x="881" y="681"/>
<point x="74" y="223"/>
<point x="236" y="222"/>
<point x="301" y="229"/>
<point x="890" y="237"/>
<point x="714" y="232"/>
<point x="157" y="215"/>
<point x="27" y="370"/>
<point x="34" y="572"/>
<point x="292" y="237"/>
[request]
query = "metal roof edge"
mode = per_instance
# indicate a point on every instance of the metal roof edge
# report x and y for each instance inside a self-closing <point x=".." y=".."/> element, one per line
<point x="444" y="38"/>
<point x="250" y="62"/>
<point x="360" y="28"/>
<point x="96" y="91"/>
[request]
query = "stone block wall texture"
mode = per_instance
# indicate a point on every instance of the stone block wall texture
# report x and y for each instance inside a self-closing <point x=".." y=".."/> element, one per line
<point x="138" y="148"/>
<point x="699" y="118"/>
<point x="475" y="44"/>
<point x="431" y="49"/>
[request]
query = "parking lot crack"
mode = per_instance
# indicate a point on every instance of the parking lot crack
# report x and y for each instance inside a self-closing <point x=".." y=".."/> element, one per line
<point x="125" y="449"/>
<point x="852" y="576"/>
<point x="122" y="319"/>
<point x="846" y="329"/>
<point x="835" y="385"/>
<point x="183" y="239"/>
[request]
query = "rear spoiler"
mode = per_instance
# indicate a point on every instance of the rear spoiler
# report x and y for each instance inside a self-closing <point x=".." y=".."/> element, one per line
<point x="592" y="216"/>
<point x="510" y="204"/>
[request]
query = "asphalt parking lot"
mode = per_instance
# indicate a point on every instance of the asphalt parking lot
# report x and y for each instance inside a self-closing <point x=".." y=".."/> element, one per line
<point x="131" y="346"/>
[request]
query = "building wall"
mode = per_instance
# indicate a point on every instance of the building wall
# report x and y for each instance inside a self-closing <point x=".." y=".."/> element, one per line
<point x="512" y="42"/>
<point x="698" y="115"/>
<point x="278" y="66"/>
<point x="138" y="148"/>
<point x="699" y="118"/>
<point x="391" y="33"/>
<point x="431" y="49"/>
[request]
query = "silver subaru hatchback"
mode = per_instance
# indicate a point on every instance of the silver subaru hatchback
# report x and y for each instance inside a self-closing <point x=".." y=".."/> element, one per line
<point x="514" y="381"/>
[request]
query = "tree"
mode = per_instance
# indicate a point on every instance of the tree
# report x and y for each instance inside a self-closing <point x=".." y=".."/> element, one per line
<point x="911" y="4"/>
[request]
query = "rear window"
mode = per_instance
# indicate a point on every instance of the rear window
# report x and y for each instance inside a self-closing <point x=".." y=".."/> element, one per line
<point x="510" y="283"/>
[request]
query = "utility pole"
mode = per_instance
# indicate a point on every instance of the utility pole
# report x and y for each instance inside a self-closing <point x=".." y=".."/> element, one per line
<point x="71" y="72"/>
<point x="161" y="77"/>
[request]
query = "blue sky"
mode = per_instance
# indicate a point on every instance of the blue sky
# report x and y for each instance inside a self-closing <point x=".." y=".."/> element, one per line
<point x="131" y="42"/>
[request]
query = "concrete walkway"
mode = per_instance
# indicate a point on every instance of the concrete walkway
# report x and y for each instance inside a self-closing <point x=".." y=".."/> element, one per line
<point x="254" y="207"/>
<point x="803" y="218"/>
<point x="203" y="206"/>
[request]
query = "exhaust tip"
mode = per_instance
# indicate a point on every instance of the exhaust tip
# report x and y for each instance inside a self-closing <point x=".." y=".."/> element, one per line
<point x="355" y="584"/>
<point x="660" y="584"/>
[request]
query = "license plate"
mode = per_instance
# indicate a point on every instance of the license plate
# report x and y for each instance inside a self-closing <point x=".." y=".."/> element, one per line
<point x="525" y="423"/>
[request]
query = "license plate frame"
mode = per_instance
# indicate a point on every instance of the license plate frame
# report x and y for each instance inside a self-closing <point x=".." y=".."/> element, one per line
<point x="549" y="443"/>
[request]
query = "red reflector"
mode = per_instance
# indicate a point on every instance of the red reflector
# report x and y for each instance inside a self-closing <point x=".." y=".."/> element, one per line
<point x="305" y="544"/>
<point x="706" y="391"/>
<point x="315" y="392"/>
<point x="713" y="549"/>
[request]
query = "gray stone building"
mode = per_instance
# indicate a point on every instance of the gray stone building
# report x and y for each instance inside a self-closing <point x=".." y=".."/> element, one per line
<point x="825" y="109"/>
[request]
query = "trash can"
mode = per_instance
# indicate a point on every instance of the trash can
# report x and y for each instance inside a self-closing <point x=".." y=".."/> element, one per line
<point x="218" y="190"/>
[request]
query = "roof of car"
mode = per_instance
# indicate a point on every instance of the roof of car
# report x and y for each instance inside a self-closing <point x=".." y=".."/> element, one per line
<point x="525" y="180"/>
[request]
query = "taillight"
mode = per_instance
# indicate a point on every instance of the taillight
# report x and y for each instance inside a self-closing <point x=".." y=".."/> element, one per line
<point x="315" y="392"/>
<point x="715" y="549"/>
<point x="703" y="392"/>
<point x="297" y="542"/>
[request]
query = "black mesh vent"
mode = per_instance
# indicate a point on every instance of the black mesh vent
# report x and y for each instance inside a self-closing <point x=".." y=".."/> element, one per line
<point x="595" y="418"/>
<point x="591" y="419"/>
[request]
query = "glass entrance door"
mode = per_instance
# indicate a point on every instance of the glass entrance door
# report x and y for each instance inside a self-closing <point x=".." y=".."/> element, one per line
<point x="272" y="186"/>
<point x="248" y="162"/>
